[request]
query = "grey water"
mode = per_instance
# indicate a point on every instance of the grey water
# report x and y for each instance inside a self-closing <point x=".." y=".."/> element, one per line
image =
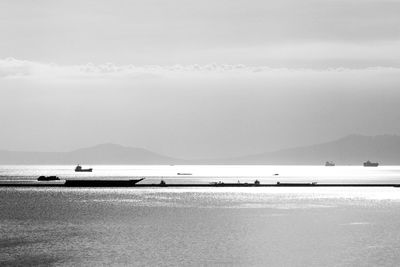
<point x="209" y="173"/>
<point x="202" y="226"/>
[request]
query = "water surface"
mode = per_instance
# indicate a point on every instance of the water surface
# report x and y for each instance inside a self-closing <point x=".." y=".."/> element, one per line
<point x="202" y="226"/>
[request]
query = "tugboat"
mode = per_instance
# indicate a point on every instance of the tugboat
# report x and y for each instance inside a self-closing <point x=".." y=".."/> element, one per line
<point x="80" y="169"/>
<point x="370" y="164"/>
<point x="329" y="163"/>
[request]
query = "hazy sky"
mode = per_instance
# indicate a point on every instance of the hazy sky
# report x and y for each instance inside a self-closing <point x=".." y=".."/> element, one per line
<point x="197" y="78"/>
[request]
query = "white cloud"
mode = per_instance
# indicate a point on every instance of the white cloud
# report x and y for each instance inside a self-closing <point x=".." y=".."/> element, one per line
<point x="15" y="68"/>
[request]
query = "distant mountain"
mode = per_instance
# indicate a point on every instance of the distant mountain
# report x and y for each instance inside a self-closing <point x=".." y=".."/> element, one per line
<point x="100" y="154"/>
<point x="350" y="150"/>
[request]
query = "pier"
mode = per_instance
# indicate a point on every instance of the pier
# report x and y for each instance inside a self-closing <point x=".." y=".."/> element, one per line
<point x="128" y="184"/>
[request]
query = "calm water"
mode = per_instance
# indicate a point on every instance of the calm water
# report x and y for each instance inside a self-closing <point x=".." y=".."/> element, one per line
<point x="209" y="173"/>
<point x="202" y="226"/>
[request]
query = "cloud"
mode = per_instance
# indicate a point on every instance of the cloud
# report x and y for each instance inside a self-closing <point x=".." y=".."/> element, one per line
<point x="15" y="68"/>
<point x="11" y="67"/>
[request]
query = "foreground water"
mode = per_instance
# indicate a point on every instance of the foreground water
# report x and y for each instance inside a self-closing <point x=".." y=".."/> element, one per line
<point x="203" y="226"/>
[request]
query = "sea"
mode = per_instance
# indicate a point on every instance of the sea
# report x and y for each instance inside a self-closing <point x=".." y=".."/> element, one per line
<point x="201" y="226"/>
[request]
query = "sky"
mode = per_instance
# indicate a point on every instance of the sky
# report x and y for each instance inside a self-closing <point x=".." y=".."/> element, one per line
<point x="197" y="79"/>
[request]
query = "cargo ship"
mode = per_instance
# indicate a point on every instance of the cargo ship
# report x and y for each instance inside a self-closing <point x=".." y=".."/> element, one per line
<point x="101" y="183"/>
<point x="370" y="164"/>
<point x="80" y="169"/>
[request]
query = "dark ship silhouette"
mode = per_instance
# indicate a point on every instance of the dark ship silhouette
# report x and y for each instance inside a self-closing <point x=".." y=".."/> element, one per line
<point x="370" y="164"/>
<point x="80" y="169"/>
<point x="48" y="178"/>
<point x="101" y="183"/>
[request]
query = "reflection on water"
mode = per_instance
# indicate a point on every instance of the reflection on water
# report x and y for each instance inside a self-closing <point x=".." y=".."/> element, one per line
<point x="210" y="173"/>
<point x="200" y="226"/>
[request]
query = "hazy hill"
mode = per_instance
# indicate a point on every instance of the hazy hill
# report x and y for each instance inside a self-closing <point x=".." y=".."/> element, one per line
<point x="100" y="154"/>
<point x="352" y="150"/>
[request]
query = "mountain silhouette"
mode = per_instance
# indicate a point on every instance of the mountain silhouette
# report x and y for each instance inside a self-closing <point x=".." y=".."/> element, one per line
<point x="349" y="150"/>
<point x="99" y="154"/>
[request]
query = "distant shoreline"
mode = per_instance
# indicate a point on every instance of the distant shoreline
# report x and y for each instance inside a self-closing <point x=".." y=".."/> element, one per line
<point x="351" y="150"/>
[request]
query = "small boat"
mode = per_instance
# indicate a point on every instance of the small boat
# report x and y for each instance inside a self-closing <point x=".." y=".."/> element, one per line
<point x="48" y="178"/>
<point x="370" y="164"/>
<point x="329" y="163"/>
<point x="80" y="169"/>
<point x="183" y="173"/>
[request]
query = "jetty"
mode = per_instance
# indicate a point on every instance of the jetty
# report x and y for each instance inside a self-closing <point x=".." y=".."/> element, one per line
<point x="134" y="183"/>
